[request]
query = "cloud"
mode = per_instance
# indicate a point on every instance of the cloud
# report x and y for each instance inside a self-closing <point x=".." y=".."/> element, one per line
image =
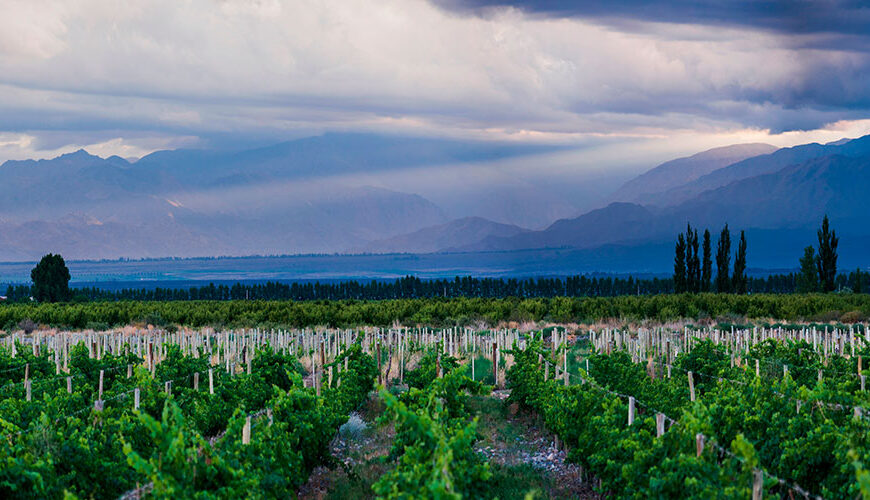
<point x="784" y="16"/>
<point x="553" y="71"/>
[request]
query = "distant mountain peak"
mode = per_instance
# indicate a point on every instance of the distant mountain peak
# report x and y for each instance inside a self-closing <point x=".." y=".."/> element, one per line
<point x="838" y="142"/>
<point x="77" y="155"/>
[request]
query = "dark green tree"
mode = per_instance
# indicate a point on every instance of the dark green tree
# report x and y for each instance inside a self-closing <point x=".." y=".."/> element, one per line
<point x="680" y="265"/>
<point x="738" y="280"/>
<point x="723" y="261"/>
<point x="707" y="267"/>
<point x="51" y="280"/>
<point x="808" y="279"/>
<point x="693" y="263"/>
<point x="826" y="260"/>
<point x="857" y="279"/>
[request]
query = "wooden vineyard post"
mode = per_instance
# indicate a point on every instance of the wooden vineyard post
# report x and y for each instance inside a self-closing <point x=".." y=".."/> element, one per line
<point x="246" y="431"/>
<point x="438" y="365"/>
<point x="669" y="371"/>
<point x="757" y="484"/>
<point x="210" y="381"/>
<point x="862" y="383"/>
<point x="196" y="381"/>
<point x="630" y="410"/>
<point x="699" y="443"/>
<point x="691" y="388"/>
<point x="472" y="365"/>
<point x="660" y="424"/>
<point x="129" y="371"/>
<point x="565" y="359"/>
<point x="757" y="369"/>
<point x="26" y="374"/>
<point x="380" y="370"/>
<point x="69" y="385"/>
<point x="495" y="363"/>
<point x="27" y="385"/>
<point x="167" y="387"/>
<point x="820" y="374"/>
<point x="322" y="360"/>
<point x="401" y="360"/>
<point x="100" y="397"/>
<point x="136" y="398"/>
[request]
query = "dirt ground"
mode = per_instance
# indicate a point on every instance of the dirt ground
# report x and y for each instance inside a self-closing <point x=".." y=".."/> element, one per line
<point x="520" y="451"/>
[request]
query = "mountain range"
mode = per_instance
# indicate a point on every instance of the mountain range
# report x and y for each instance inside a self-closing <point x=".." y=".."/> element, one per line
<point x="319" y="195"/>
<point x="313" y="195"/>
<point x="779" y="195"/>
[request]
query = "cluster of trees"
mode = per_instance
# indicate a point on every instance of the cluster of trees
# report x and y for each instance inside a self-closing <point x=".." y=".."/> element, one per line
<point x="819" y="269"/>
<point x="693" y="271"/>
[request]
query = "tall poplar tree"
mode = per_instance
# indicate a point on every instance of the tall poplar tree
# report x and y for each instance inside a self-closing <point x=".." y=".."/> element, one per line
<point x="808" y="279"/>
<point x="693" y="265"/>
<point x="723" y="261"/>
<point x="707" y="267"/>
<point x="857" y="279"/>
<point x="739" y="279"/>
<point x="826" y="260"/>
<point x="680" y="265"/>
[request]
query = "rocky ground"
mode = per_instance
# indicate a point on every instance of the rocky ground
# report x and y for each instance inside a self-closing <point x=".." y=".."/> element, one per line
<point x="520" y="451"/>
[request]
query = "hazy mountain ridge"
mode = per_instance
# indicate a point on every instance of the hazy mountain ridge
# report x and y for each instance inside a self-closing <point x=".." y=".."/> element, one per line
<point x="444" y="237"/>
<point x="793" y="197"/>
<point x="681" y="171"/>
<point x="157" y="207"/>
<point x="87" y="207"/>
<point x="760" y="165"/>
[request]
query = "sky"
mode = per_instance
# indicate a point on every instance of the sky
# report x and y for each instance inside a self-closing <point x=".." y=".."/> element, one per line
<point x="623" y="85"/>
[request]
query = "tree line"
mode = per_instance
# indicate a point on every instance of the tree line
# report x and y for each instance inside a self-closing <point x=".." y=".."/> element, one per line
<point x="413" y="287"/>
<point x="818" y="267"/>
<point x="693" y="272"/>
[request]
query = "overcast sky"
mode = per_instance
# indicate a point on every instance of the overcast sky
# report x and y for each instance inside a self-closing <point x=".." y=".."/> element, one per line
<point x="643" y="78"/>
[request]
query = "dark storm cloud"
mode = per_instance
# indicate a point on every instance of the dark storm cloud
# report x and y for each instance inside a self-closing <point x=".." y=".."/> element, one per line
<point x="242" y="72"/>
<point x="785" y="16"/>
<point x="829" y="41"/>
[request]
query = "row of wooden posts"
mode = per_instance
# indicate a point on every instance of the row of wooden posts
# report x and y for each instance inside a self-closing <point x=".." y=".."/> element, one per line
<point x="664" y="343"/>
<point x="317" y="349"/>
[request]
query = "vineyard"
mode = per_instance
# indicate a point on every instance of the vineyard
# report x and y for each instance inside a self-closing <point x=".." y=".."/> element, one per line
<point x="651" y="412"/>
